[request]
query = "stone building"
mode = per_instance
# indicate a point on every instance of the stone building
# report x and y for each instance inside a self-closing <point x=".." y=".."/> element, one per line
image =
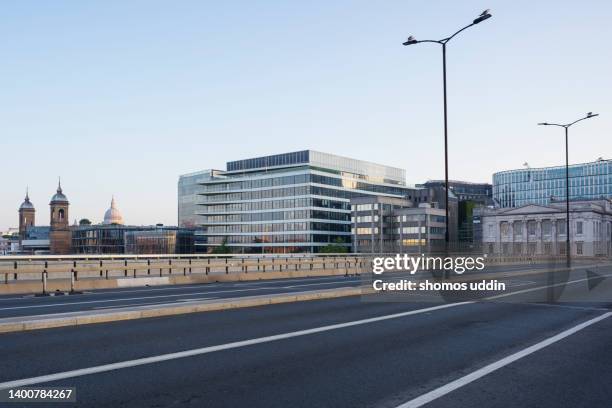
<point x="113" y="216"/>
<point x="541" y="229"/>
<point x="60" y="235"/>
<point x="27" y="217"/>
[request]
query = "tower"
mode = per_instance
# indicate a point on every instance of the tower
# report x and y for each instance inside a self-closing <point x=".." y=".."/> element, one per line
<point x="60" y="235"/>
<point x="27" y="217"/>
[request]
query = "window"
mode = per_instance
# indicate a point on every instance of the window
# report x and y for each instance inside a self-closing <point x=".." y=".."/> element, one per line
<point x="579" y="227"/>
<point x="546" y="227"/>
<point x="579" y="248"/>
<point x="561" y="227"/>
<point x="518" y="229"/>
<point x="504" y="228"/>
<point x="531" y="227"/>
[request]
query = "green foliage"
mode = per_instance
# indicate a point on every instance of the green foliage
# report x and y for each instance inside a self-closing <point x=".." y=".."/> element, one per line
<point x="84" y="221"/>
<point x="222" y="249"/>
<point x="335" y="248"/>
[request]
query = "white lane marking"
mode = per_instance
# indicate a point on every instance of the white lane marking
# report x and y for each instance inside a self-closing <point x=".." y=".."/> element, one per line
<point x="211" y="349"/>
<point x="518" y="292"/>
<point x="460" y="382"/>
<point x="338" y="278"/>
<point x="196" y="299"/>
<point x="308" y="284"/>
<point x="155" y="297"/>
<point x="152" y="303"/>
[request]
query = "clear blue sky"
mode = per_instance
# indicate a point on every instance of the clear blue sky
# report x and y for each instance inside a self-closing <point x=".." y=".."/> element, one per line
<point x="120" y="97"/>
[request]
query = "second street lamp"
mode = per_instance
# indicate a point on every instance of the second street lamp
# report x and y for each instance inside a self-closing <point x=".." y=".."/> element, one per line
<point x="410" y="41"/>
<point x="589" y="115"/>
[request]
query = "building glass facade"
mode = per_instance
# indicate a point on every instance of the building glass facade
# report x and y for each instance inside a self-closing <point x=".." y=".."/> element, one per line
<point x="587" y="181"/>
<point x="124" y="239"/>
<point x="292" y="202"/>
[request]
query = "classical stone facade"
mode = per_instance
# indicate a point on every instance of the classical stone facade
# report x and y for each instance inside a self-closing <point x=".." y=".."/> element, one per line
<point x="541" y="229"/>
<point x="60" y="235"/>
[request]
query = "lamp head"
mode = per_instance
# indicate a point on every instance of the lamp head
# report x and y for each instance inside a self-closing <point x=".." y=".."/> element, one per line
<point x="411" y="40"/>
<point x="483" y="16"/>
<point x="543" y="124"/>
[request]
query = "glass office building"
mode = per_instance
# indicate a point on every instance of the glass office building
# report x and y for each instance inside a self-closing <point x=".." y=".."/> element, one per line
<point x="292" y="202"/>
<point x="125" y="239"/>
<point x="587" y="181"/>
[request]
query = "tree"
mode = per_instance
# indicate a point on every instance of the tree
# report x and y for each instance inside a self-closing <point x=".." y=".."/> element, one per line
<point x="222" y="249"/>
<point x="335" y="248"/>
<point x="84" y="221"/>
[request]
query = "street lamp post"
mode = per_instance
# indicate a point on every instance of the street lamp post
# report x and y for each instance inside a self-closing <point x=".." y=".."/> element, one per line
<point x="589" y="115"/>
<point x="410" y="41"/>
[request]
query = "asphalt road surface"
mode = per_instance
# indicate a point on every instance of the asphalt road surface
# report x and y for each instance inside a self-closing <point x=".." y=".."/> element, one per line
<point x="509" y="351"/>
<point x="30" y="305"/>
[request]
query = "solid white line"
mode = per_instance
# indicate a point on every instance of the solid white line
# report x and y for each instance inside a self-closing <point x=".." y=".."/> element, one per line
<point x="518" y="292"/>
<point x="460" y="382"/>
<point x="152" y="303"/>
<point x="211" y="349"/>
<point x="311" y="284"/>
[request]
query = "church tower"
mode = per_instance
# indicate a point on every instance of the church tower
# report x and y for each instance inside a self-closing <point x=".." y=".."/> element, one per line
<point x="60" y="235"/>
<point x="27" y="217"/>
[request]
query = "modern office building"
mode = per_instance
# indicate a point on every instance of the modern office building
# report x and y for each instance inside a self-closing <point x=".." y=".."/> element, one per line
<point x="393" y="225"/>
<point x="535" y="229"/>
<point x="126" y="239"/>
<point x="292" y="202"/>
<point x="189" y="189"/>
<point x="587" y="181"/>
<point x="465" y="191"/>
<point x="463" y="198"/>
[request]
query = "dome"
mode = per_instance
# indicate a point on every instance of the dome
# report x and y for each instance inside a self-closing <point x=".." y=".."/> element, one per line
<point x="59" y="196"/>
<point x="26" y="205"/>
<point x="113" y="215"/>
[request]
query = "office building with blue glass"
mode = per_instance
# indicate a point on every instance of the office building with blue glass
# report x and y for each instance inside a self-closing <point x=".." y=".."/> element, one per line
<point x="284" y="203"/>
<point x="587" y="181"/>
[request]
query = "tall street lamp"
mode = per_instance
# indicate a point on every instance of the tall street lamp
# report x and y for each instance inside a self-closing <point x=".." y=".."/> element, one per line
<point x="411" y="40"/>
<point x="567" y="211"/>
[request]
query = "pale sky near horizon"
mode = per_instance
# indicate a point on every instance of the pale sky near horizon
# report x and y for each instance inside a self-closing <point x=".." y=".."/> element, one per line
<point x="121" y="97"/>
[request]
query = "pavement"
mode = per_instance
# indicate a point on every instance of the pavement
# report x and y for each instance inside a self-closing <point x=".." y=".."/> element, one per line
<point x="516" y="349"/>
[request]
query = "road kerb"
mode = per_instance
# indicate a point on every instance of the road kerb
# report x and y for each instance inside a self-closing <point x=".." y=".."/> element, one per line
<point x="84" y="318"/>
